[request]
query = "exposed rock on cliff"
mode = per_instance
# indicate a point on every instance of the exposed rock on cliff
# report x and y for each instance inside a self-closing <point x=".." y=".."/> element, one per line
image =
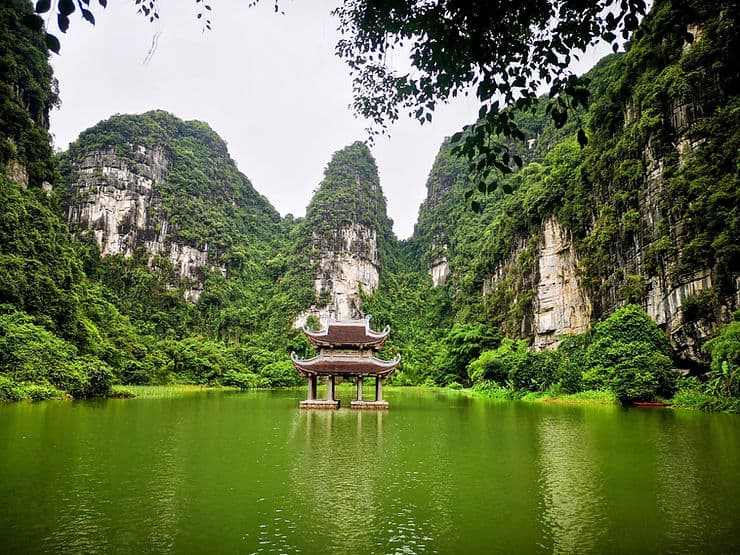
<point x="347" y="233"/>
<point x="348" y="264"/>
<point x="158" y="185"/>
<point x="647" y="213"/>
<point x="439" y="269"/>
<point x="114" y="200"/>
<point x="560" y="306"/>
<point x="540" y="277"/>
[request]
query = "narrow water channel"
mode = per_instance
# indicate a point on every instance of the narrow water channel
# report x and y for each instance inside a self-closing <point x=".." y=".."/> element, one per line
<point x="438" y="473"/>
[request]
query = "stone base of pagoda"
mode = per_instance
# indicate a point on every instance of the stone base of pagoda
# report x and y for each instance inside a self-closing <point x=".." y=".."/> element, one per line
<point x="320" y="404"/>
<point x="369" y="405"/>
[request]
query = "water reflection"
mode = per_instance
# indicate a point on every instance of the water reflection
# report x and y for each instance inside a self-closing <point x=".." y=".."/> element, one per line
<point x="352" y="492"/>
<point x="680" y="489"/>
<point x="336" y="482"/>
<point x="574" y="508"/>
<point x="252" y="473"/>
<point x="164" y="487"/>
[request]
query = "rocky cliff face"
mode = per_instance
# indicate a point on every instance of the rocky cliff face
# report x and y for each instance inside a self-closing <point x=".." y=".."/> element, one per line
<point x="116" y="201"/>
<point x="439" y="269"/>
<point x="645" y="214"/>
<point x="348" y="263"/>
<point x="560" y="306"/>
<point x="540" y="275"/>
<point x="164" y="188"/>
<point x="349" y="234"/>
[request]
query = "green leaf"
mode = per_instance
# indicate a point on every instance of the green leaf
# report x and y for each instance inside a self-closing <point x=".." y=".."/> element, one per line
<point x="506" y="188"/>
<point x="518" y="160"/>
<point x="43" y="6"/>
<point x="66" y="7"/>
<point x="63" y="23"/>
<point x="88" y="16"/>
<point x="52" y="43"/>
<point x="482" y="187"/>
<point x="475" y="206"/>
<point x="469" y="194"/>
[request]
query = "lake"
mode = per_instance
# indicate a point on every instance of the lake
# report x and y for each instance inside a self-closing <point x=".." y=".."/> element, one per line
<point x="220" y="472"/>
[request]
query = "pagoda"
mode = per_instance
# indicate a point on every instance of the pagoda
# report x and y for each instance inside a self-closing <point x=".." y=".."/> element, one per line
<point x="346" y="350"/>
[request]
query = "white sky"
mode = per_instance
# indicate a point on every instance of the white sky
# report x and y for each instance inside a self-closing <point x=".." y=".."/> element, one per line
<point x="270" y="85"/>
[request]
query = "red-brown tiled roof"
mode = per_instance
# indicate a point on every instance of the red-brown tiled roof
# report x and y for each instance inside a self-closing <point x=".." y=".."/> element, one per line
<point x="345" y="365"/>
<point x="353" y="333"/>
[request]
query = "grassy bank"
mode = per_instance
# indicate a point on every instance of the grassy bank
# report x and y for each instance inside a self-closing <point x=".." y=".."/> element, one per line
<point x="552" y="395"/>
<point x="161" y="391"/>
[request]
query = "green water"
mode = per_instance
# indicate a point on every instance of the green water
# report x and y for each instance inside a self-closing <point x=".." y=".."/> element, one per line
<point x="438" y="473"/>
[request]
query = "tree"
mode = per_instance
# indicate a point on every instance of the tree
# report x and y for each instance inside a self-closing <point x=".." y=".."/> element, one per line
<point x="508" y="51"/>
<point x="464" y="343"/>
<point x="724" y="350"/>
<point x="629" y="355"/>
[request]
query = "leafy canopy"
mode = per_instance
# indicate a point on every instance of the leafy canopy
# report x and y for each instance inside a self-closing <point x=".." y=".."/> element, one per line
<point x="506" y="51"/>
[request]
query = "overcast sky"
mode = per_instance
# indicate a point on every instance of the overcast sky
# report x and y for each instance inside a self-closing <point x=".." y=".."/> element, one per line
<point x="270" y="85"/>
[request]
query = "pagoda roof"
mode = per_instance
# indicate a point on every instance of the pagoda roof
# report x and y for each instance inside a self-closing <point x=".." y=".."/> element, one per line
<point x="349" y="333"/>
<point x="345" y="364"/>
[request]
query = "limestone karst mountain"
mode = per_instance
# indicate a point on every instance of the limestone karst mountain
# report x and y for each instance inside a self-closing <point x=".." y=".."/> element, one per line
<point x="646" y="213"/>
<point x="143" y="255"/>
<point x="347" y="234"/>
<point x="158" y="185"/>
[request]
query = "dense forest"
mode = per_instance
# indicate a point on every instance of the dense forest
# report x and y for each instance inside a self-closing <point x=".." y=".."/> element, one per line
<point x="143" y="256"/>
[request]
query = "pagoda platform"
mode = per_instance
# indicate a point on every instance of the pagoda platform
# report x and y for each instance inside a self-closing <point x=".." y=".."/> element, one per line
<point x="325" y="404"/>
<point x="368" y="405"/>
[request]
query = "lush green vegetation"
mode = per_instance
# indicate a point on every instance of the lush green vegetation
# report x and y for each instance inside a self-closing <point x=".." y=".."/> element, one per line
<point x="624" y="357"/>
<point x="349" y="194"/>
<point x="73" y="323"/>
<point x="27" y="92"/>
<point x="661" y="111"/>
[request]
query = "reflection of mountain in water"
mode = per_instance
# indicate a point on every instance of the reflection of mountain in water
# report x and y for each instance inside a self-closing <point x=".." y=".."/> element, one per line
<point x="680" y="489"/>
<point x="574" y="510"/>
<point x="346" y="495"/>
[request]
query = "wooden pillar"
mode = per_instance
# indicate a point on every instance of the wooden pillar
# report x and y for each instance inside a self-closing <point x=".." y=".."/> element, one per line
<point x="359" y="388"/>
<point x="312" y="387"/>
<point x="378" y="388"/>
<point x="330" y="388"/>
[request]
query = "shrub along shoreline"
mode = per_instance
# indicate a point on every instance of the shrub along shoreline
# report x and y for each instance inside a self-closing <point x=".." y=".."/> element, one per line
<point x="623" y="359"/>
